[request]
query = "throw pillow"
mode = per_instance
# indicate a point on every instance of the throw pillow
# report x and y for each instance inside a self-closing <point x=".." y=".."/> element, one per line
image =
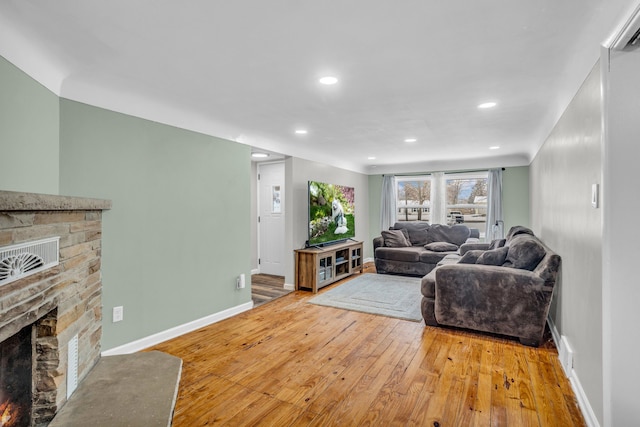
<point x="456" y="234"/>
<point x="470" y="257"/>
<point x="395" y="239"/>
<point x="518" y="229"/>
<point x="416" y="231"/>
<point x="524" y="252"/>
<point x="493" y="257"/>
<point x="497" y="243"/>
<point x="441" y="247"/>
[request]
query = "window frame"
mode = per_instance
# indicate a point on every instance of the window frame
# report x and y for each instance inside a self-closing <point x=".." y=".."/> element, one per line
<point x="415" y="209"/>
<point x="428" y="205"/>
<point x="460" y="206"/>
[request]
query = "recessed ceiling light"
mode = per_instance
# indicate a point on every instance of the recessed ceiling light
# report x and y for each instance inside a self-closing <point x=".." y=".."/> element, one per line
<point x="301" y="131"/>
<point x="259" y="155"/>
<point x="494" y="147"/>
<point x="371" y="158"/>
<point x="487" y="105"/>
<point x="328" y="80"/>
<point x="410" y="140"/>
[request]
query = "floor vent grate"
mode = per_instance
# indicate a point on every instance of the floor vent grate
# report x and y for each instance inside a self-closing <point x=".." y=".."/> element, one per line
<point x="24" y="259"/>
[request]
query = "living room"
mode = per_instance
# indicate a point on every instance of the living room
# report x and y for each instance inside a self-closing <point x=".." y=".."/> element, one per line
<point x="161" y="238"/>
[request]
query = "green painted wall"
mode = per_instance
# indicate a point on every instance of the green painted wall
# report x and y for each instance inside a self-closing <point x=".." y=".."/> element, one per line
<point x="29" y="130"/>
<point x="515" y="198"/>
<point x="178" y="234"/>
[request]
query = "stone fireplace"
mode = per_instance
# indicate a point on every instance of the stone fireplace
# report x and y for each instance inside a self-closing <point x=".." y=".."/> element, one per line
<point x="50" y="321"/>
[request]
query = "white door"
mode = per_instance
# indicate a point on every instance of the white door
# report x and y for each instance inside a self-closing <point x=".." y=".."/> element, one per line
<point x="271" y="218"/>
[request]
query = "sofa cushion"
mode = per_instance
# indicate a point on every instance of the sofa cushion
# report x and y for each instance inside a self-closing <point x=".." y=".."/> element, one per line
<point x="456" y="234"/>
<point x="417" y="231"/>
<point x="516" y="230"/>
<point x="470" y="257"/>
<point x="431" y="257"/>
<point x="395" y="239"/>
<point x="441" y="247"/>
<point x="494" y="256"/>
<point x="497" y="243"/>
<point x="524" y="252"/>
<point x="408" y="254"/>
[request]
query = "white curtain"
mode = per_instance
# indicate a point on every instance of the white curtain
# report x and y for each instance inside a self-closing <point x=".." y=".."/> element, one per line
<point x="438" y="198"/>
<point x="388" y="206"/>
<point x="495" y="224"/>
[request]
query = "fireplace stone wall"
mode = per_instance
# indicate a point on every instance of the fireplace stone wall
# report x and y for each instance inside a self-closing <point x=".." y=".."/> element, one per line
<point x="62" y="301"/>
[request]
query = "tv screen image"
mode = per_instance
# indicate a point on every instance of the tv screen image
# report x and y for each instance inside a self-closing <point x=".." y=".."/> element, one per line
<point x="331" y="213"/>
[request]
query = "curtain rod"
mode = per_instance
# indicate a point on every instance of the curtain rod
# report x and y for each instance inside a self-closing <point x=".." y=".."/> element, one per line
<point x="448" y="172"/>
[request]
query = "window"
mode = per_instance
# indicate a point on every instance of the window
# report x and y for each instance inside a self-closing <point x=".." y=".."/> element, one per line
<point x="414" y="198"/>
<point x="419" y="198"/>
<point x="467" y="199"/>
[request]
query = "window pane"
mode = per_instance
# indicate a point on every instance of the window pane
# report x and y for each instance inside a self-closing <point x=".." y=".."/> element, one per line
<point x="275" y="197"/>
<point x="467" y="201"/>
<point x="414" y="199"/>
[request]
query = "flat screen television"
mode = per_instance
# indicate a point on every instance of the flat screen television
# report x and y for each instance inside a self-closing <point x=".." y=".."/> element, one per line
<point x="331" y="213"/>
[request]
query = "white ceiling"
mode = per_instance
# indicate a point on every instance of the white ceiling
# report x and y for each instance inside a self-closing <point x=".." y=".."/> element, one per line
<point x="247" y="70"/>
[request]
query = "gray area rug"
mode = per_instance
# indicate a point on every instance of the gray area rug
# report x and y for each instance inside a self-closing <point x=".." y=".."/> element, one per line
<point x="386" y="295"/>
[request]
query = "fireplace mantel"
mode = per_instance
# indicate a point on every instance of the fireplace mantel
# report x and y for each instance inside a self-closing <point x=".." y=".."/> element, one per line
<point x="61" y="304"/>
<point x="17" y="201"/>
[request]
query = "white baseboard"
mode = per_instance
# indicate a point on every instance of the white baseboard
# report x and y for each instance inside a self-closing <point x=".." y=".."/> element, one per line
<point x="583" y="402"/>
<point x="255" y="271"/>
<point x="369" y="260"/>
<point x="154" y="339"/>
<point x="289" y="287"/>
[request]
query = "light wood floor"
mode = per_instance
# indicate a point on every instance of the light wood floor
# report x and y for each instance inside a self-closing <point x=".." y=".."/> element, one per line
<point x="291" y="363"/>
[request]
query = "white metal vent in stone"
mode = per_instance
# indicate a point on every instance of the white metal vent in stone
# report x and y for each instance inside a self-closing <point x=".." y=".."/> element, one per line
<point x="24" y="259"/>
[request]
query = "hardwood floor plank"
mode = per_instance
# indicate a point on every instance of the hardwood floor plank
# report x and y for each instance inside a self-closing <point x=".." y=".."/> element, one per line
<point x="556" y="385"/>
<point x="469" y="398"/>
<point x="353" y="408"/>
<point x="444" y="407"/>
<point x="381" y="407"/>
<point x="498" y="385"/>
<point x="292" y="363"/>
<point x="524" y="388"/>
<point x="538" y="388"/>
<point x="482" y="413"/>
<point x="406" y="386"/>
<point x="355" y="363"/>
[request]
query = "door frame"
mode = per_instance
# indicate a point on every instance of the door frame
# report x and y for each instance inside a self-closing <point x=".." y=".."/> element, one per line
<point x="258" y="207"/>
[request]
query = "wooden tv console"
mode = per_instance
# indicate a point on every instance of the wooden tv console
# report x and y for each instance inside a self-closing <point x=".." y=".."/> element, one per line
<point x="320" y="266"/>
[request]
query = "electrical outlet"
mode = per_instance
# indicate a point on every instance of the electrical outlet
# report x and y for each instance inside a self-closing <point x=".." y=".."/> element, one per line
<point x="240" y="282"/>
<point x="118" y="314"/>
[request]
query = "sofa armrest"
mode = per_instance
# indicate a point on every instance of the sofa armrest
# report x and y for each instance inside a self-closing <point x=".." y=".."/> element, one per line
<point x="488" y="278"/>
<point x="472" y="246"/>
<point x="378" y="242"/>
<point x="474" y="233"/>
<point x="495" y="299"/>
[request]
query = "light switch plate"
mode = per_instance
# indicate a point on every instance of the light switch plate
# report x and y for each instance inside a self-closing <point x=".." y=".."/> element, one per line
<point x="118" y="314"/>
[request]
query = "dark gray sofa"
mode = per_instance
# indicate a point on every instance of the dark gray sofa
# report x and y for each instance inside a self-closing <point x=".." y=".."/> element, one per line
<point x="506" y="290"/>
<point x="425" y="246"/>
